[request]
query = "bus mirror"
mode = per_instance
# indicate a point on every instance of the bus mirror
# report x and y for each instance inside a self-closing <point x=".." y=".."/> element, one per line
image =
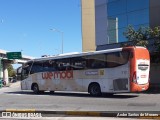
<point x="19" y="70"/>
<point x="25" y="66"/>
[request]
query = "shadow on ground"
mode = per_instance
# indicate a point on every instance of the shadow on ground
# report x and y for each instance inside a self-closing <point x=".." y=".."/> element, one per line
<point x="73" y="94"/>
<point x="153" y="90"/>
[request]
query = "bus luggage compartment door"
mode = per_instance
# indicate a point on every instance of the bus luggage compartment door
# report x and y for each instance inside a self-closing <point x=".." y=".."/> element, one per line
<point x="121" y="84"/>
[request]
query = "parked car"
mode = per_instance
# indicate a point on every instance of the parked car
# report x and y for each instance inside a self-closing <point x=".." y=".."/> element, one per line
<point x="12" y="80"/>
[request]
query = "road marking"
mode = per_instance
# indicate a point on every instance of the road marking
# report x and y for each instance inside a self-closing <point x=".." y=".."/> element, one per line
<point x="20" y="110"/>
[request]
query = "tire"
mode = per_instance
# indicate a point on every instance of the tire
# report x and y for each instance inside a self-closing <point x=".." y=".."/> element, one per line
<point x="41" y="92"/>
<point x="109" y="94"/>
<point x="3" y="82"/>
<point x="36" y="89"/>
<point x="95" y="90"/>
<point x="51" y="92"/>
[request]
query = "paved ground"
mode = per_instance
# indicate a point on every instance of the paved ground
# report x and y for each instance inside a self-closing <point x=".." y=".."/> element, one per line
<point x="16" y="86"/>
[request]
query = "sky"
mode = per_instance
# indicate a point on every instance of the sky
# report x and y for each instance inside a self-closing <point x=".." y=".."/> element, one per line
<point x="25" y="25"/>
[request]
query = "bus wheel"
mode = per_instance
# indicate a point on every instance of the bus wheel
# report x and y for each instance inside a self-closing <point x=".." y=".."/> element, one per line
<point x="35" y="89"/>
<point x="94" y="89"/>
<point x="109" y="94"/>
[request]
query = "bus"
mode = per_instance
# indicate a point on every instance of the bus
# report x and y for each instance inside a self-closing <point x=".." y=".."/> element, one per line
<point x="118" y="70"/>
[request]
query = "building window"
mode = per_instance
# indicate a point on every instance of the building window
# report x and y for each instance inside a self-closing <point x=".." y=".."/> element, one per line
<point x="121" y="13"/>
<point x="138" y="17"/>
<point x="135" y="5"/>
<point x="117" y="7"/>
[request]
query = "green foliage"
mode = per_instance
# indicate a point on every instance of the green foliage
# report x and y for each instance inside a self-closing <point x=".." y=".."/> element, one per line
<point x="141" y="36"/>
<point x="138" y="37"/>
<point x="156" y="36"/>
<point x="155" y="32"/>
<point x="11" y="71"/>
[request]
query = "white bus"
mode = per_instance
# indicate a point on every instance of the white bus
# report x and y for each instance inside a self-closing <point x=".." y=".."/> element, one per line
<point x="107" y="71"/>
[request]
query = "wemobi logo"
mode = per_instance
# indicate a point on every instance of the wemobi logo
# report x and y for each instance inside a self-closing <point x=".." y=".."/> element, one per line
<point x="58" y="74"/>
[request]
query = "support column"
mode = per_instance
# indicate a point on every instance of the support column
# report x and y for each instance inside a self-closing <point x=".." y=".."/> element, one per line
<point x="1" y="68"/>
<point x="5" y="73"/>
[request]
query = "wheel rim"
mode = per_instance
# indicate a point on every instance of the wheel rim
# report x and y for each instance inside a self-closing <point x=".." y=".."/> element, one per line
<point x="35" y="89"/>
<point x="95" y="90"/>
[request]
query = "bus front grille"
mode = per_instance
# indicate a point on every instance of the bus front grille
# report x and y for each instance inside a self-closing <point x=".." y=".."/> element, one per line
<point x="120" y="84"/>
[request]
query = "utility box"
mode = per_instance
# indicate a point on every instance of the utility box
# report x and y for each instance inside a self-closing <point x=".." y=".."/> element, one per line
<point x="1" y="84"/>
<point x="1" y="76"/>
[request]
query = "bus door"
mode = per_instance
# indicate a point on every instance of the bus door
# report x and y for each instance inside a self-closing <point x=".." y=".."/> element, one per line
<point x="25" y="76"/>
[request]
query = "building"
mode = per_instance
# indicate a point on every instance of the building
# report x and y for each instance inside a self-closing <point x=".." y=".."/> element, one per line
<point x="11" y="58"/>
<point x="105" y="21"/>
<point x="88" y="25"/>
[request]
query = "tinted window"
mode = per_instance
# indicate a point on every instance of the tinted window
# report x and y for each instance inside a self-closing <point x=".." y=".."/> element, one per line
<point x="133" y="5"/>
<point x="107" y="60"/>
<point x="121" y="13"/>
<point x="96" y="61"/>
<point x="42" y="66"/>
<point x="63" y="64"/>
<point x="117" y="58"/>
<point x="111" y="0"/>
<point x="121" y="37"/>
<point x="116" y="7"/>
<point x="37" y="67"/>
<point x="26" y="68"/>
<point x="138" y="17"/>
<point x="49" y="65"/>
<point x="118" y="21"/>
<point x="78" y="63"/>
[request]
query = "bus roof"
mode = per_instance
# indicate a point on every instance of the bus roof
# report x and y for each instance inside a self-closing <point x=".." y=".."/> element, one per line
<point x="77" y="54"/>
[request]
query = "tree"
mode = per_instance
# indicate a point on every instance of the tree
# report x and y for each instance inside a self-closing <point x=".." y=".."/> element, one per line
<point x="141" y="36"/>
<point x="11" y="71"/>
<point x="137" y="37"/>
<point x="155" y="33"/>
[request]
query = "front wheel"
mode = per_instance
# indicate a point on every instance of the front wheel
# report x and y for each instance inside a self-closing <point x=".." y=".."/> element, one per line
<point x="36" y="89"/>
<point x="108" y="94"/>
<point x="95" y="90"/>
<point x="52" y="92"/>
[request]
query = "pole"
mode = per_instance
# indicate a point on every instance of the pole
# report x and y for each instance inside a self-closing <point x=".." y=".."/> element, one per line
<point x="62" y="42"/>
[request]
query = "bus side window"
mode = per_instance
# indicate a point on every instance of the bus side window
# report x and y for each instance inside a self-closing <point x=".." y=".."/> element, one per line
<point x="25" y="71"/>
<point x="116" y="59"/>
<point x="54" y="66"/>
<point x="78" y="63"/>
<point x="49" y="65"/>
<point x="63" y="64"/>
<point x="96" y="61"/>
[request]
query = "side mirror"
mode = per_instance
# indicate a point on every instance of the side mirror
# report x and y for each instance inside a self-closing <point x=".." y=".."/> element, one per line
<point x="19" y="70"/>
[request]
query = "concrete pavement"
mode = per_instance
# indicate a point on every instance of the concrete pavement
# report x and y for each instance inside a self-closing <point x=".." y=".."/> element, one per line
<point x="62" y="116"/>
